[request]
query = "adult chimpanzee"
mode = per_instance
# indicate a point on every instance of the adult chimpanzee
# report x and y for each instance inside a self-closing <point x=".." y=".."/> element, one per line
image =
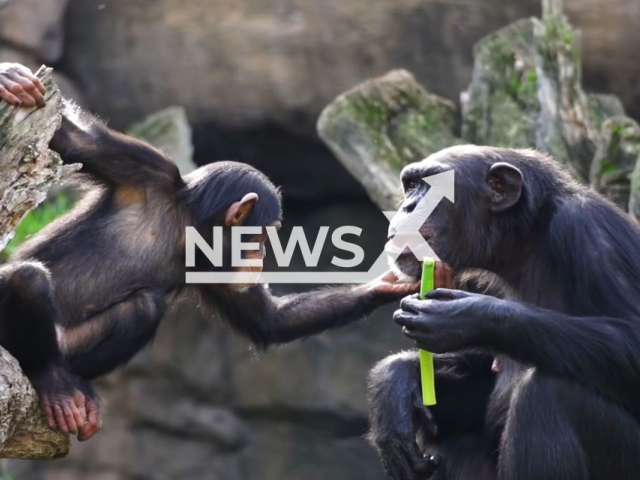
<point x="563" y="400"/>
<point x="88" y="292"/>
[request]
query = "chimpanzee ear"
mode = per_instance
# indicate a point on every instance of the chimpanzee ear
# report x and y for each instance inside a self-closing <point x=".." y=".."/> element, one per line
<point x="505" y="182"/>
<point x="239" y="211"/>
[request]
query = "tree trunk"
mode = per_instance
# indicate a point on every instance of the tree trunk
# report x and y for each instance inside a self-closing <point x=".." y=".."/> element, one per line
<point x="27" y="169"/>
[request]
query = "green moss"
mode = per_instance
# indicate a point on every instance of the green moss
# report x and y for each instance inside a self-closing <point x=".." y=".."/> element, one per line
<point x="609" y="167"/>
<point x="502" y="99"/>
<point x="36" y="220"/>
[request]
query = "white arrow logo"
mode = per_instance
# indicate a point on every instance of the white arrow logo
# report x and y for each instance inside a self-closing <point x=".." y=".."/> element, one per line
<point x="407" y="230"/>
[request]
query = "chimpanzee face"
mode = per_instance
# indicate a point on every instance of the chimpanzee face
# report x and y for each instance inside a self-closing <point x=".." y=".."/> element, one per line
<point x="257" y="254"/>
<point x="468" y="232"/>
<point x="415" y="189"/>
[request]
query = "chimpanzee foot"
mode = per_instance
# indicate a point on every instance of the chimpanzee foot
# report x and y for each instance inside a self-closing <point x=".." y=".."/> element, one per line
<point x="69" y="403"/>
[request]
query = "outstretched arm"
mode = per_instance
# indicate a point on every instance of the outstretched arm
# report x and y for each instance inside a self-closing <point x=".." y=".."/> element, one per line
<point x="598" y="351"/>
<point x="107" y="155"/>
<point x="267" y="319"/>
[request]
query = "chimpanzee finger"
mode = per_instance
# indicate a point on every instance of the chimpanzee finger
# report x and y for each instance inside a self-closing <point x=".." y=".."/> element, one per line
<point x="26" y="73"/>
<point x="419" y="463"/>
<point x="414" y="304"/>
<point x="37" y="96"/>
<point x="88" y="431"/>
<point x="94" y="412"/>
<point x="404" y="318"/>
<point x="48" y="415"/>
<point x="446" y="294"/>
<point x="18" y="91"/>
<point x="26" y="81"/>
<point x="60" y="421"/>
<point x="411" y="334"/>
<point x="398" y="465"/>
<point x="69" y="417"/>
<point x="442" y="276"/>
<point x="418" y="321"/>
<point x="7" y="96"/>
<point x="392" y="471"/>
<point x="94" y="421"/>
<point x="79" y="401"/>
<point x="406" y="466"/>
<point x="388" y="468"/>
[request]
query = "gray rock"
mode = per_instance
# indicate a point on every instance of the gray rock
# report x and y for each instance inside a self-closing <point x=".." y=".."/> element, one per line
<point x="293" y="450"/>
<point x="501" y="107"/>
<point x="169" y="131"/>
<point x="24" y="433"/>
<point x="27" y="167"/>
<point x="526" y="92"/>
<point x="615" y="159"/>
<point x="164" y="407"/>
<point x="604" y="106"/>
<point x="382" y="125"/>
<point x="565" y="128"/>
<point x="634" y="200"/>
<point x="35" y="26"/>
<point x="610" y="37"/>
<point x="267" y="62"/>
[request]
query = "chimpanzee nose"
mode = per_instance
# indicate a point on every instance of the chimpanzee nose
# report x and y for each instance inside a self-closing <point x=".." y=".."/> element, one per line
<point x="410" y="206"/>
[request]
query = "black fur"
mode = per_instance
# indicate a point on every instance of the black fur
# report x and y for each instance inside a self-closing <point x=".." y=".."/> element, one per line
<point x="566" y="402"/>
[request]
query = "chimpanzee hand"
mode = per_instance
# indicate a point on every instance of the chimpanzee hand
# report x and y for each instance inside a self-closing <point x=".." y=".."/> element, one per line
<point x="448" y="320"/>
<point x="396" y="413"/>
<point x="18" y="86"/>
<point x="389" y="283"/>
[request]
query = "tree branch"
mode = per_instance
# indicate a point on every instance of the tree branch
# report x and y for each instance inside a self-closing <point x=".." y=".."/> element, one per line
<point x="27" y="169"/>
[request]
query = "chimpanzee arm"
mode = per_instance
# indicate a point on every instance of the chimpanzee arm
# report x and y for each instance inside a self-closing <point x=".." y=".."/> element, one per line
<point x="267" y="319"/>
<point x="110" y="156"/>
<point x="396" y="414"/>
<point x="602" y="352"/>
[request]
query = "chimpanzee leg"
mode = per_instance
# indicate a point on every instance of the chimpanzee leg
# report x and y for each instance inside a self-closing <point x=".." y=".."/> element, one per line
<point x="27" y="315"/>
<point x="27" y="331"/>
<point x="110" y="338"/>
<point x="558" y="430"/>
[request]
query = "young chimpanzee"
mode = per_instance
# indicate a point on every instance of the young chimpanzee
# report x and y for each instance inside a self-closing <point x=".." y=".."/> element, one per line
<point x="562" y="398"/>
<point x="88" y="292"/>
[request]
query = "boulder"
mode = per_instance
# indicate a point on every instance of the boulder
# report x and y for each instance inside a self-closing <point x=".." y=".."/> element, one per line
<point x="35" y="26"/>
<point x="380" y="126"/>
<point x="604" y="106"/>
<point x="169" y="131"/>
<point x="634" y="200"/>
<point x="501" y="107"/>
<point x="242" y="64"/>
<point x="526" y="91"/>
<point x="27" y="170"/>
<point x="615" y="159"/>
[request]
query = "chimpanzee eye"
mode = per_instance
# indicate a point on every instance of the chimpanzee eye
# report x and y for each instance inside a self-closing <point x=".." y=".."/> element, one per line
<point x="410" y="185"/>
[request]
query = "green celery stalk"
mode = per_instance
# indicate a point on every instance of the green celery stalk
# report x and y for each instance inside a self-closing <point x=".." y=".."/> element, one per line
<point x="427" y="371"/>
